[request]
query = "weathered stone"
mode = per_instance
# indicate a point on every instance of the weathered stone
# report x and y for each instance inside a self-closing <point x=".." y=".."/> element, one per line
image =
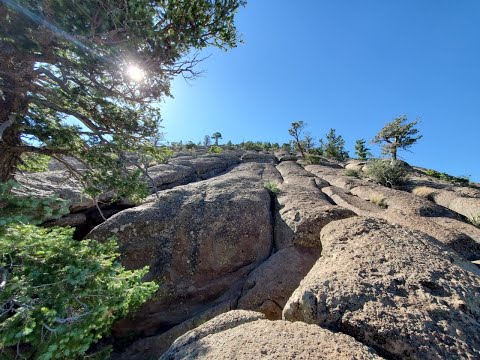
<point x="356" y="165"/>
<point x="269" y="286"/>
<point x="402" y="201"/>
<point x="397" y="290"/>
<point x="169" y="175"/>
<point x="345" y="199"/>
<point x="154" y="346"/>
<point x="54" y="183"/>
<point x="302" y="209"/>
<point x="335" y="176"/>
<point x="199" y="240"/>
<point x="253" y="156"/>
<point x="245" y="337"/>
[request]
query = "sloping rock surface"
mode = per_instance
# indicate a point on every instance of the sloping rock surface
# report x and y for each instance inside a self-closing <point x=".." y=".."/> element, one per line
<point x="302" y="209"/>
<point x="199" y="240"/>
<point x="397" y="290"/>
<point x="243" y="335"/>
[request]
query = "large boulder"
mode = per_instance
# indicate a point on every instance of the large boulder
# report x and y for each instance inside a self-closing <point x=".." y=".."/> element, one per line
<point x="245" y="335"/>
<point x="397" y="290"/>
<point x="199" y="240"/>
<point x="209" y="165"/>
<point x="302" y="210"/>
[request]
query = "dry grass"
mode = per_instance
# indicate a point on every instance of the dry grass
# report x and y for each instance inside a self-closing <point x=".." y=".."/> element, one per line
<point x="474" y="220"/>
<point x="424" y="191"/>
<point x="378" y="200"/>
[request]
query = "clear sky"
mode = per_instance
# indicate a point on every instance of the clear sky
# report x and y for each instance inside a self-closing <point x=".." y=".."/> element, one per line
<point x="345" y="64"/>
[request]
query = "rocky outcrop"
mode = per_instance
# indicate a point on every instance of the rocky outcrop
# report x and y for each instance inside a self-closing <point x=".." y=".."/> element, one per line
<point x="397" y="290"/>
<point x="245" y="335"/>
<point x="55" y="183"/>
<point x="269" y="286"/>
<point x="200" y="241"/>
<point x="302" y="209"/>
<point x="258" y="157"/>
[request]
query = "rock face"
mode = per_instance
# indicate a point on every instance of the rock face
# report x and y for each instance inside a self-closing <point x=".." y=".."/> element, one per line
<point x="200" y="241"/>
<point x="397" y="290"/>
<point x="302" y="208"/>
<point x="245" y="335"/>
<point x="269" y="286"/>
<point x="51" y="183"/>
<point x="217" y="240"/>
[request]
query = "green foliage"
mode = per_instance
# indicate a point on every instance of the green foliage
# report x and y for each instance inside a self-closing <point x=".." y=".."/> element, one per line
<point x="361" y="151"/>
<point x="229" y="145"/>
<point x="458" y="180"/>
<point x="28" y="209"/>
<point x="313" y="159"/>
<point x="216" y="136"/>
<point x="251" y="146"/>
<point x="190" y="146"/>
<point x="397" y="134"/>
<point x="215" y="149"/>
<point x="32" y="162"/>
<point x="296" y="131"/>
<point x="272" y="187"/>
<point x="286" y="147"/>
<point x="61" y="295"/>
<point x="352" y="173"/>
<point x="92" y="90"/>
<point x="333" y="147"/>
<point x="387" y="173"/>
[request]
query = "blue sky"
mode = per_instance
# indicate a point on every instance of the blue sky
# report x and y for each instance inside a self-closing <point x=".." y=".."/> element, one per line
<point x="349" y="65"/>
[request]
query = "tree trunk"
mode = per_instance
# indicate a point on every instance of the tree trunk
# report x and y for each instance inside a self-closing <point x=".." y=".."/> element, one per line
<point x="8" y="159"/>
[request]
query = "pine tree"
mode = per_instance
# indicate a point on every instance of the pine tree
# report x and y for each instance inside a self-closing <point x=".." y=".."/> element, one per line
<point x="397" y="134"/>
<point x="362" y="152"/>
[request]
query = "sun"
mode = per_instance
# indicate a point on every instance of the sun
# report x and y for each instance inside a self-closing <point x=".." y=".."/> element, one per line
<point x="135" y="73"/>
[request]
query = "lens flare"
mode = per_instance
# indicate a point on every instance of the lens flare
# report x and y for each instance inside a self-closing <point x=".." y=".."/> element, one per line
<point x="135" y="73"/>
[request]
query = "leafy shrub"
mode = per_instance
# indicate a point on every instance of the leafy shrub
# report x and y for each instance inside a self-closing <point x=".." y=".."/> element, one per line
<point x="215" y="149"/>
<point x="313" y="159"/>
<point x="61" y="295"/>
<point x="272" y="187"/>
<point x="31" y="162"/>
<point x="458" y="180"/>
<point x="387" y="173"/>
<point x="250" y="145"/>
<point x="378" y="200"/>
<point x="352" y="173"/>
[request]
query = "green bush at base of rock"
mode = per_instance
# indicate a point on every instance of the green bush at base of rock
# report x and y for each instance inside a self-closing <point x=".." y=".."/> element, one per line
<point x="59" y="296"/>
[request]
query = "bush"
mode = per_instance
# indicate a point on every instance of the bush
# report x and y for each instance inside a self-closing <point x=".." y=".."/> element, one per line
<point x="378" y="200"/>
<point x="60" y="295"/>
<point x="387" y="172"/>
<point x="458" y="180"/>
<point x="215" y="149"/>
<point x="352" y="173"/>
<point x="272" y="187"/>
<point x="313" y="159"/>
<point x="424" y="191"/>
